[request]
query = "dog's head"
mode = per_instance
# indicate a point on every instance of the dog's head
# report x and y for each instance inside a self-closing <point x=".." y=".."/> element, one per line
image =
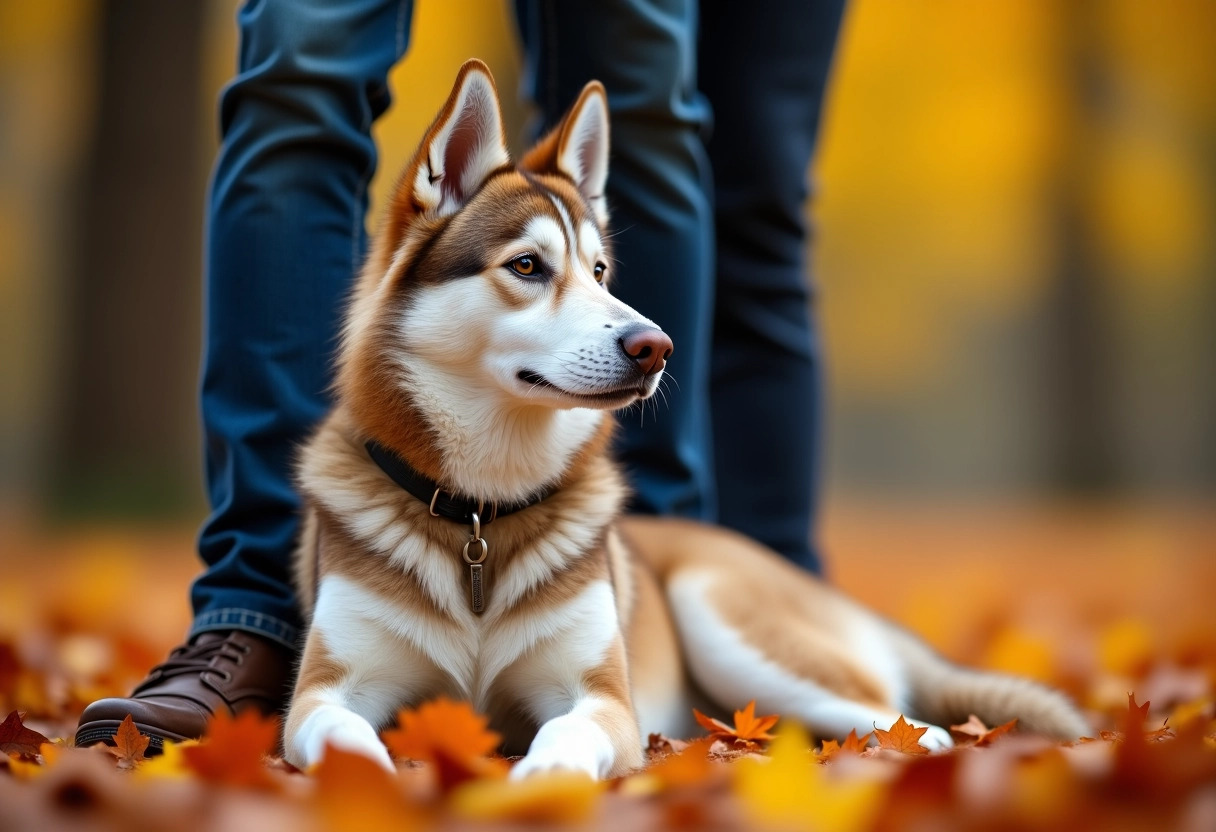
<point x="487" y="284"/>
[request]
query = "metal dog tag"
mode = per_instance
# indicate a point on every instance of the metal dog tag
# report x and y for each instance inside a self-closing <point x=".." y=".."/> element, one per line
<point x="478" y="598"/>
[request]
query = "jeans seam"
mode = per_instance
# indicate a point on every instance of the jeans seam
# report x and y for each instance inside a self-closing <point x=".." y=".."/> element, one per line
<point x="238" y="618"/>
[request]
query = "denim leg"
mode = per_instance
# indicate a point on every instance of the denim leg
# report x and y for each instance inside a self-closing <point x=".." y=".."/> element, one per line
<point x="644" y="51"/>
<point x="285" y="236"/>
<point x="764" y="67"/>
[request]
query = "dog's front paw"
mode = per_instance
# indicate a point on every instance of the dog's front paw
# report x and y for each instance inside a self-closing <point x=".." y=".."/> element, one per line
<point x="935" y="738"/>
<point x="330" y="725"/>
<point x="550" y="761"/>
<point x="569" y="743"/>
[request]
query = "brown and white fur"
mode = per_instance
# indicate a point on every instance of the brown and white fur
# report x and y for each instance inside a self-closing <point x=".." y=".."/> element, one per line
<point x="597" y="629"/>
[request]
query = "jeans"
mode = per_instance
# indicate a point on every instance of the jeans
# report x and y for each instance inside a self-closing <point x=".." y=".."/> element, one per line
<point x="286" y="236"/>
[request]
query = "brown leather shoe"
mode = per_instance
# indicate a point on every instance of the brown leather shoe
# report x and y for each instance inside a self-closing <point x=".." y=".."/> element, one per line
<point x="217" y="671"/>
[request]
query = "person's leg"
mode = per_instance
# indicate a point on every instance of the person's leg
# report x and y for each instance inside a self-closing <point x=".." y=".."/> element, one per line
<point x="284" y="240"/>
<point x="285" y="237"/>
<point x="644" y="53"/>
<point x="764" y="68"/>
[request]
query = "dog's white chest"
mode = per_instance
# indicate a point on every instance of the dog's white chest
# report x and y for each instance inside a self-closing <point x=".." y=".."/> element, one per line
<point x="467" y="653"/>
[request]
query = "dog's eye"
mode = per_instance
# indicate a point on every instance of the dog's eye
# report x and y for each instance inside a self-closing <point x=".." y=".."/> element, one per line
<point x="524" y="265"/>
<point x="600" y="268"/>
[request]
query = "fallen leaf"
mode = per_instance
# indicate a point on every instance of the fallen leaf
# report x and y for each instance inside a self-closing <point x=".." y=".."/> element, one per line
<point x="1188" y="712"/>
<point x="659" y="746"/>
<point x="233" y="749"/>
<point x="1165" y="732"/>
<point x="542" y="799"/>
<point x="450" y="736"/>
<point x="169" y="764"/>
<point x="129" y="745"/>
<point x="789" y="790"/>
<point x="15" y="738"/>
<point x="748" y="728"/>
<point x="354" y="793"/>
<point x="902" y="737"/>
<point x="1136" y="715"/>
<point x="1125" y="647"/>
<point x="852" y="745"/>
<point x="690" y="767"/>
<point x="975" y="732"/>
<point x="969" y="731"/>
<point x="996" y="733"/>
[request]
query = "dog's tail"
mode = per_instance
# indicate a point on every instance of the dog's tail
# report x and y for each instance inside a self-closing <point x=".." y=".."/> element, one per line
<point x="946" y="694"/>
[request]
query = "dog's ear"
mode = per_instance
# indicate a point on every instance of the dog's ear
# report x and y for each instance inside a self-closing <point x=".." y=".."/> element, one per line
<point x="578" y="147"/>
<point x="463" y="146"/>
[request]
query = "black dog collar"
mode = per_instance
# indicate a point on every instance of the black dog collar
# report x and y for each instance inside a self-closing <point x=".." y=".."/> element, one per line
<point x="444" y="503"/>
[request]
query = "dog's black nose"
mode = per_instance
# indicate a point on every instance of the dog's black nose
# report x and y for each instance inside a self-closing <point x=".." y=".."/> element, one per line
<point x="647" y="346"/>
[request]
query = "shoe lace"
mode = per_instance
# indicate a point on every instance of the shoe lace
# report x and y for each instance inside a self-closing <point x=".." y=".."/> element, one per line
<point x="195" y="658"/>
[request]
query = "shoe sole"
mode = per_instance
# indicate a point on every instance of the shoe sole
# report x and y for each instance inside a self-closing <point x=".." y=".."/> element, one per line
<point x="103" y="730"/>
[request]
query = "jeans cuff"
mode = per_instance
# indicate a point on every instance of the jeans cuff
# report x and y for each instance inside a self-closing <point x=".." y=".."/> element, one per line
<point x="251" y="621"/>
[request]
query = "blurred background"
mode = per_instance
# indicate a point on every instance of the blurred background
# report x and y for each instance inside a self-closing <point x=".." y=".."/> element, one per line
<point x="1014" y="250"/>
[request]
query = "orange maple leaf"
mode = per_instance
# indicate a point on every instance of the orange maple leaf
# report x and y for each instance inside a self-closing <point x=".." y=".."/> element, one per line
<point x="996" y="733"/>
<point x="232" y="750"/>
<point x="975" y="732"/>
<point x="15" y="738"/>
<point x="852" y="745"/>
<point x="449" y="735"/>
<point x="355" y="793"/>
<point x="689" y="767"/>
<point x="129" y="745"/>
<point x="902" y="737"/>
<point x="747" y="730"/>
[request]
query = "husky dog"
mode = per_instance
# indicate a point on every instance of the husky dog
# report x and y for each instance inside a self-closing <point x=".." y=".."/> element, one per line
<point x="462" y="532"/>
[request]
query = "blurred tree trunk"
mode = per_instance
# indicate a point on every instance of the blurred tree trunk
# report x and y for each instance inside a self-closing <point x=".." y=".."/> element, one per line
<point x="127" y="442"/>
<point x="1080" y="429"/>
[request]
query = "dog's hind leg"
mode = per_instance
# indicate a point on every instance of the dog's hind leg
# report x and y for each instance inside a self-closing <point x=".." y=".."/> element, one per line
<point x="782" y="657"/>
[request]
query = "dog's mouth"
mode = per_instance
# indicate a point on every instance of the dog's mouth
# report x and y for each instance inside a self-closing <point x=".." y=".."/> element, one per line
<point x="617" y="395"/>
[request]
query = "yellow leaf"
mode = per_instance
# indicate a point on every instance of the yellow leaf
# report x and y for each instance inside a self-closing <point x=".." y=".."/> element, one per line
<point x="791" y="790"/>
<point x="551" y="798"/>
<point x="170" y="764"/>
<point x="1017" y="652"/>
<point x="1188" y="712"/>
<point x="1041" y="787"/>
<point x="1125" y="648"/>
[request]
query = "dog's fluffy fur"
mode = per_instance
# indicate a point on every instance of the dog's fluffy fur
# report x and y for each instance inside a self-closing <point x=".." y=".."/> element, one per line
<point x="482" y="347"/>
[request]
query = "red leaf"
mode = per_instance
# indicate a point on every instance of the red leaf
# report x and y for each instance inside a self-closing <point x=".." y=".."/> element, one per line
<point x="15" y="738"/>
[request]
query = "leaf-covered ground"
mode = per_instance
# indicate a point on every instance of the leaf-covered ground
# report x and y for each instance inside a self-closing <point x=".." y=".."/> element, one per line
<point x="1103" y="603"/>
